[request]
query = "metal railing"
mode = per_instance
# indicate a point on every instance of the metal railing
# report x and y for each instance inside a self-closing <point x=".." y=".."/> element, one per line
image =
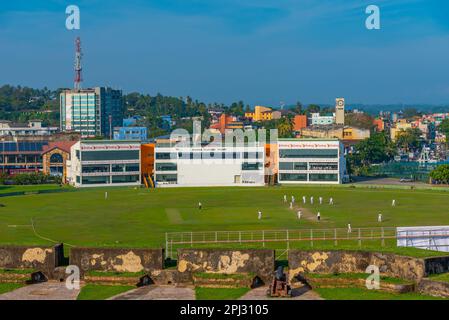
<point x="289" y="238"/>
<point x="266" y="237"/>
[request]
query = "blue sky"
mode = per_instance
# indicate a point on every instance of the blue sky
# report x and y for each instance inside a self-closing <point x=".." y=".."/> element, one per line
<point x="259" y="51"/>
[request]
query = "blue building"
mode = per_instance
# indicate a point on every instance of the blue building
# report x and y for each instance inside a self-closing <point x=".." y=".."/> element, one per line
<point x="130" y="133"/>
<point x="166" y="122"/>
<point x="132" y="121"/>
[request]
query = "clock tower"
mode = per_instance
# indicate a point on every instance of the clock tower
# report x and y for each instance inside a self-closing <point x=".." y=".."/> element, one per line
<point x="340" y="111"/>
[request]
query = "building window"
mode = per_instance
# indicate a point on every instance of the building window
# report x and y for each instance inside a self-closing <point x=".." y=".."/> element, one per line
<point x="323" y="177"/>
<point x="56" y="158"/>
<point x="251" y="166"/>
<point x="252" y="155"/>
<point x="125" y="179"/>
<point x="173" y="178"/>
<point x="324" y="166"/>
<point x="118" y="168"/>
<point x="165" y="155"/>
<point x="292" y="177"/>
<point x="95" y="168"/>
<point x="96" y="180"/>
<point x="308" y="153"/>
<point x="133" y="167"/>
<point x="292" y="165"/>
<point x="166" y="167"/>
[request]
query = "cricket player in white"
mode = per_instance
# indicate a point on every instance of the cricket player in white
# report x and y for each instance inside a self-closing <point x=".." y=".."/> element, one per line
<point x="293" y="199"/>
<point x="318" y="216"/>
<point x="321" y="200"/>
<point x="331" y="201"/>
<point x="393" y="203"/>
<point x="311" y="200"/>
<point x="349" y="228"/>
<point x="299" y="215"/>
<point x="379" y="217"/>
<point x="304" y="199"/>
<point x="260" y="215"/>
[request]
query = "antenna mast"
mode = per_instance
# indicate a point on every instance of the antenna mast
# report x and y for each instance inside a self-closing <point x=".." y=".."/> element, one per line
<point x="78" y="68"/>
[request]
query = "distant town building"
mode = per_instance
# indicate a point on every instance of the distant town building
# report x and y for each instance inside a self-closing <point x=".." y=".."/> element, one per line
<point x="131" y="121"/>
<point x="167" y="122"/>
<point x="131" y="133"/>
<point x="400" y="125"/>
<point x="104" y="163"/>
<point x="299" y="122"/>
<point x="226" y="122"/>
<point x="379" y="124"/>
<point x="260" y="114"/>
<point x="317" y="120"/>
<point x="311" y="161"/>
<point x="92" y="112"/>
<point x="335" y="132"/>
<point x="32" y="128"/>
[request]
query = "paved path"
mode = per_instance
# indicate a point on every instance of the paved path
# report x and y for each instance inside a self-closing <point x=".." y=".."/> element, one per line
<point x="302" y="293"/>
<point x="42" y="291"/>
<point x="154" y="292"/>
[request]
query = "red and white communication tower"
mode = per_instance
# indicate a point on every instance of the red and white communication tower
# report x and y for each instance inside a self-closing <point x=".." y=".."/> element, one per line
<point x="78" y="68"/>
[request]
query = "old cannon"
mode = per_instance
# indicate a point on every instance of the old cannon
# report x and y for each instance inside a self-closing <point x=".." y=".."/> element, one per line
<point x="279" y="286"/>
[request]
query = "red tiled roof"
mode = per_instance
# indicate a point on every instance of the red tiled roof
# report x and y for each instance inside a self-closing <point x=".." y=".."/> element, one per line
<point x="62" y="145"/>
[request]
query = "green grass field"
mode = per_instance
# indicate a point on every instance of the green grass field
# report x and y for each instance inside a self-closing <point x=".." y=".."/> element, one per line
<point x="443" y="277"/>
<point x="101" y="292"/>
<point x="140" y="217"/>
<point x="365" y="294"/>
<point x="7" y="287"/>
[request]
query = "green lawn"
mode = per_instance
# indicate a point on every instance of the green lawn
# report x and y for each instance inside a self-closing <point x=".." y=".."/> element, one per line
<point x="356" y="276"/>
<point x="96" y="273"/>
<point x="16" y="271"/>
<point x="443" y="277"/>
<point x="140" y="217"/>
<point x="365" y="294"/>
<point x="219" y="293"/>
<point x="32" y="188"/>
<point x="6" y="287"/>
<point x="101" y="292"/>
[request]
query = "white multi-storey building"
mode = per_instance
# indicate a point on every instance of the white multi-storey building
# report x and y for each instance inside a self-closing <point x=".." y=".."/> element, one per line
<point x="209" y="165"/>
<point x="104" y="163"/>
<point x="312" y="161"/>
<point x="32" y="128"/>
<point x="316" y="119"/>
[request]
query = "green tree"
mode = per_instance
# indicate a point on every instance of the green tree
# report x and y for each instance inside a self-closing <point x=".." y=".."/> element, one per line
<point x="285" y="127"/>
<point x="374" y="150"/>
<point x="441" y="174"/>
<point x="313" y="108"/>
<point x="409" y="140"/>
<point x="444" y="128"/>
<point x="410" y="113"/>
<point x="298" y="108"/>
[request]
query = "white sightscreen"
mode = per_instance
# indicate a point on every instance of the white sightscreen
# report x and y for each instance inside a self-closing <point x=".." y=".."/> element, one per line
<point x="430" y="238"/>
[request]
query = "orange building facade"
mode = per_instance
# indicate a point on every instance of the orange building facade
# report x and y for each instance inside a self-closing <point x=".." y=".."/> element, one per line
<point x="299" y="122"/>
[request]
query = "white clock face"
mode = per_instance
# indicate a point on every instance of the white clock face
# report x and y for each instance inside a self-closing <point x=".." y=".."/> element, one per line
<point x="340" y="103"/>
